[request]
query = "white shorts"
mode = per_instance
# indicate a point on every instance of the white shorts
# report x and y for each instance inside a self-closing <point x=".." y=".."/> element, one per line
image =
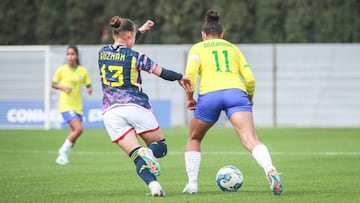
<point x="121" y="119"/>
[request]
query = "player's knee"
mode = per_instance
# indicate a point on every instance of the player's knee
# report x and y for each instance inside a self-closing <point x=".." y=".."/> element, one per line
<point x="159" y="148"/>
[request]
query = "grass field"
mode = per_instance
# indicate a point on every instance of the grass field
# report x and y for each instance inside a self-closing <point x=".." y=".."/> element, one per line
<point x="318" y="165"/>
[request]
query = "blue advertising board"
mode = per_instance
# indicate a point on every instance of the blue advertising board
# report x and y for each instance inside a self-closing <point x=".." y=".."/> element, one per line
<point x="31" y="114"/>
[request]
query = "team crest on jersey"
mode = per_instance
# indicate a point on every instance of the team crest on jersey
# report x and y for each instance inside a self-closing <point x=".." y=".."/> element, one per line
<point x="80" y="77"/>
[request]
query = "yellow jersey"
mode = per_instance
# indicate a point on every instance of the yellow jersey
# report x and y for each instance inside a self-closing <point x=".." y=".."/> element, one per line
<point x="73" y="78"/>
<point x="220" y="65"/>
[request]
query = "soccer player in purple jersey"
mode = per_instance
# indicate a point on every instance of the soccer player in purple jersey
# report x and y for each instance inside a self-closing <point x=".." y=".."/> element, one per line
<point x="126" y="108"/>
<point x="69" y="79"/>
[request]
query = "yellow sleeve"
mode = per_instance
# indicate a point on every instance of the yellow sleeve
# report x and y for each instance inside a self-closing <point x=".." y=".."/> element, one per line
<point x="57" y="77"/>
<point x="247" y="75"/>
<point x="192" y="66"/>
<point x="87" y="79"/>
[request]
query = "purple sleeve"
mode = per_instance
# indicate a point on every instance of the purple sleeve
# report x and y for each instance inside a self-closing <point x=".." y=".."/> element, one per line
<point x="145" y="63"/>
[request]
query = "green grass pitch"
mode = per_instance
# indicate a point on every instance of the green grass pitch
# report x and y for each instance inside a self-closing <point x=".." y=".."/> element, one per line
<point x="317" y="165"/>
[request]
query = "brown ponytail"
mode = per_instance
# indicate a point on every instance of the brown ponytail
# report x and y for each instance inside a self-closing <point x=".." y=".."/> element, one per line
<point x="212" y="25"/>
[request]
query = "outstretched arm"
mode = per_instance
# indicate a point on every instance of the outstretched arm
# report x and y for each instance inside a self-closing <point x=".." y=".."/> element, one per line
<point x="144" y="28"/>
<point x="170" y="75"/>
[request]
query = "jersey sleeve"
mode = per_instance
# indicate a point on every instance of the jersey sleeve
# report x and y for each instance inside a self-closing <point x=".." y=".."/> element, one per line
<point x="247" y="75"/>
<point x="87" y="78"/>
<point x="144" y="63"/>
<point x="57" y="77"/>
<point x="192" y="66"/>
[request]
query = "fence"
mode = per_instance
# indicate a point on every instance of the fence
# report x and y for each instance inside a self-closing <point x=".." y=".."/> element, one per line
<point x="305" y="85"/>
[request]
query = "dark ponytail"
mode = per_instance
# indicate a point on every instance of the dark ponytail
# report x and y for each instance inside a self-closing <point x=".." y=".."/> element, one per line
<point x="119" y="25"/>
<point x="212" y="24"/>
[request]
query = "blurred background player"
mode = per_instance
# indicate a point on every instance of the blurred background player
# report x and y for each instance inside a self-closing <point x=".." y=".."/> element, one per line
<point x="69" y="79"/>
<point x="126" y="108"/>
<point x="222" y="67"/>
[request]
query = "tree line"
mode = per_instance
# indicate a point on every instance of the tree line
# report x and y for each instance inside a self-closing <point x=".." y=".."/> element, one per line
<point x="38" y="22"/>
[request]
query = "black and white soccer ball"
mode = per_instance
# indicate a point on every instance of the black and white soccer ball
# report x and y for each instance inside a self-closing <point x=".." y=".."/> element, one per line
<point x="229" y="178"/>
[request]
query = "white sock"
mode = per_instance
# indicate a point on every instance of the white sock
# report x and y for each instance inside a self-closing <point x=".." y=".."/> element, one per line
<point x="192" y="164"/>
<point x="154" y="184"/>
<point x="66" y="147"/>
<point x="262" y="156"/>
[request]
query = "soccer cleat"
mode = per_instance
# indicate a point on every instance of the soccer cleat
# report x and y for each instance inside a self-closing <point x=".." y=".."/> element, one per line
<point x="191" y="188"/>
<point x="156" y="189"/>
<point x="274" y="181"/>
<point x="153" y="165"/>
<point x="62" y="159"/>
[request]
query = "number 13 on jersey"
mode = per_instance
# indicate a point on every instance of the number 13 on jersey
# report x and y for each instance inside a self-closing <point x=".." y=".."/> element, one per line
<point x="115" y="73"/>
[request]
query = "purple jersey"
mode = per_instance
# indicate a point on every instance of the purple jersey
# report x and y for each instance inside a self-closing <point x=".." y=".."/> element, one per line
<point x="120" y="76"/>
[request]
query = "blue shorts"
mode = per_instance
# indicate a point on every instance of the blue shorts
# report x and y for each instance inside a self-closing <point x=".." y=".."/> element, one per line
<point x="70" y="115"/>
<point x="210" y="105"/>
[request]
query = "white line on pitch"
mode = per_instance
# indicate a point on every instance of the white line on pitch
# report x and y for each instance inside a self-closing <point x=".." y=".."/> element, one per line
<point x="182" y="153"/>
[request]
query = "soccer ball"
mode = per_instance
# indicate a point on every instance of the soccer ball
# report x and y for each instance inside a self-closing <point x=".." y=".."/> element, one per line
<point x="229" y="178"/>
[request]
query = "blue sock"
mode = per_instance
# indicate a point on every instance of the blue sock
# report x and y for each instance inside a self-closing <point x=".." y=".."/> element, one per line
<point x="159" y="148"/>
<point x="141" y="167"/>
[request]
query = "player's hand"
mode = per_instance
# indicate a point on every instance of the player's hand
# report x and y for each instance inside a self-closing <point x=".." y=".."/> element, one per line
<point x="251" y="99"/>
<point x="66" y="89"/>
<point x="89" y="90"/>
<point x="146" y="26"/>
<point x="190" y="104"/>
<point x="185" y="83"/>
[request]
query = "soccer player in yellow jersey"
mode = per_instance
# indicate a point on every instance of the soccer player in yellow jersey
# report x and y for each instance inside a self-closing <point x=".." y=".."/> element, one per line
<point x="69" y="79"/>
<point x="226" y="84"/>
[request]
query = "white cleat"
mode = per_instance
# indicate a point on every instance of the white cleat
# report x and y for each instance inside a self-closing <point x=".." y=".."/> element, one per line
<point x="153" y="165"/>
<point x="191" y="188"/>
<point x="156" y="189"/>
<point x="273" y="178"/>
<point x="62" y="159"/>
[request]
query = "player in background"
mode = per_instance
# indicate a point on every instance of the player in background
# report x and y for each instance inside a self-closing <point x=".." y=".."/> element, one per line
<point x="126" y="108"/>
<point x="226" y="84"/>
<point x="69" y="79"/>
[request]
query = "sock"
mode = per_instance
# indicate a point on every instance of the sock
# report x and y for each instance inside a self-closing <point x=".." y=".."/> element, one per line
<point x="192" y="164"/>
<point x="159" y="148"/>
<point x="262" y="156"/>
<point x="141" y="167"/>
<point x="66" y="147"/>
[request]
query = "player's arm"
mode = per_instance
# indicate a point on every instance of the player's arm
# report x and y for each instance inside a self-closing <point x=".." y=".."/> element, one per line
<point x="60" y="87"/>
<point x="170" y="75"/>
<point x="89" y="89"/>
<point x="56" y="80"/>
<point x="144" y="28"/>
<point x="87" y="83"/>
<point x="190" y="101"/>
<point x="191" y="71"/>
<point x="248" y="77"/>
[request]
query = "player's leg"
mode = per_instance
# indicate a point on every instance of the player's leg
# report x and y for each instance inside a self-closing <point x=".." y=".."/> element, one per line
<point x="206" y="113"/>
<point x="244" y="126"/>
<point x="131" y="146"/>
<point x="155" y="140"/>
<point x="197" y="131"/>
<point x="116" y="122"/>
<point x="146" y="126"/>
<point x="76" y="128"/>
